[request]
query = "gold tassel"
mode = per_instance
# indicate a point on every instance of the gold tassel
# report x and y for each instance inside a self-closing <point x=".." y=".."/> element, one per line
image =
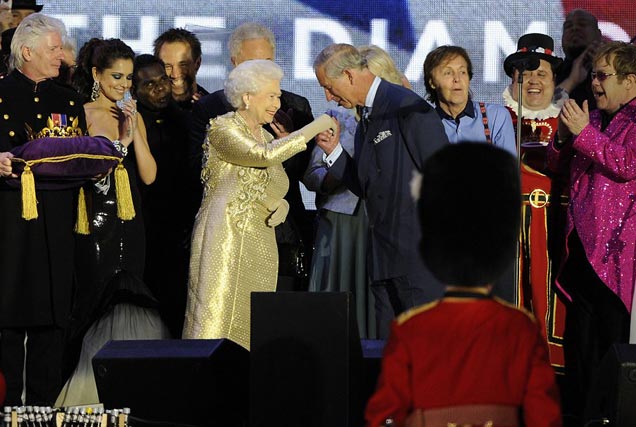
<point x="29" y="201"/>
<point x="125" y="207"/>
<point x="81" y="225"/>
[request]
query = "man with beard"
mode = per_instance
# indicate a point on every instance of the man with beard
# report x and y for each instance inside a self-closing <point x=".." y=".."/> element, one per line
<point x="580" y="40"/>
<point x="180" y="51"/>
<point x="254" y="41"/>
<point x="168" y="207"/>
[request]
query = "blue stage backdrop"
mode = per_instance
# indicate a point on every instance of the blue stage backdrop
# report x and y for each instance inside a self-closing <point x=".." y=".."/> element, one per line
<point x="408" y="29"/>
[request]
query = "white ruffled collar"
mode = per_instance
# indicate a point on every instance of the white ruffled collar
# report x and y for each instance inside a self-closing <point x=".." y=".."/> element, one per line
<point x="552" y="110"/>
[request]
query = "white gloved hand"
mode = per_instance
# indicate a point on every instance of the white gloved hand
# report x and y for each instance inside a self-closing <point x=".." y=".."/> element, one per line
<point x="279" y="213"/>
<point x="322" y="123"/>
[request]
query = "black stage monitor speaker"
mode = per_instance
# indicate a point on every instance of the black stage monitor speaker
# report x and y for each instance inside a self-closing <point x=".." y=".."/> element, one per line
<point x="180" y="382"/>
<point x="305" y="360"/>
<point x="614" y="395"/>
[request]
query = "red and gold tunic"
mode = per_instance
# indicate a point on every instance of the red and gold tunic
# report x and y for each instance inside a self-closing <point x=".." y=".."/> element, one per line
<point x="543" y="216"/>
<point x="465" y="351"/>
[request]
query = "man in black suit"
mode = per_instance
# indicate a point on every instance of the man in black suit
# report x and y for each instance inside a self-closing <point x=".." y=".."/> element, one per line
<point x="581" y="40"/>
<point x="168" y="209"/>
<point x="180" y="51"/>
<point x="397" y="132"/>
<point x="254" y="41"/>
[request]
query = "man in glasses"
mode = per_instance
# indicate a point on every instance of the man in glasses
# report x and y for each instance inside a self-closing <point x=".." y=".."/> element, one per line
<point x="598" y="273"/>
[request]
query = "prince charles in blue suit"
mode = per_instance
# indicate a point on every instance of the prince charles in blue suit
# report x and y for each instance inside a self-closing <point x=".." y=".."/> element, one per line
<point x="397" y="132"/>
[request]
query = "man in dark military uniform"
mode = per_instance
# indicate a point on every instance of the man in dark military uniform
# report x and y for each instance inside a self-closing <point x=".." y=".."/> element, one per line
<point x="36" y="256"/>
<point x="168" y="205"/>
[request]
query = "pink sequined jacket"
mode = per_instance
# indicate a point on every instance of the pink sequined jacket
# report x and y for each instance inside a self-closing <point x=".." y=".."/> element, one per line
<point x="603" y="196"/>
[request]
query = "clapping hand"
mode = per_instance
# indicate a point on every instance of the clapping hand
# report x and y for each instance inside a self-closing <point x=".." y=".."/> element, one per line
<point x="573" y="117"/>
<point x="283" y="124"/>
<point x="582" y="65"/>
<point x="128" y="126"/>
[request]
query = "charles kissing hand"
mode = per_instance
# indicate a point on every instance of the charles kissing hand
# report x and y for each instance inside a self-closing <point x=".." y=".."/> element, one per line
<point x="329" y="139"/>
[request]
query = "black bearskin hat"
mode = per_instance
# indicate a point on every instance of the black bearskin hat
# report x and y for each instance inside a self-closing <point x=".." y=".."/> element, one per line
<point x="470" y="207"/>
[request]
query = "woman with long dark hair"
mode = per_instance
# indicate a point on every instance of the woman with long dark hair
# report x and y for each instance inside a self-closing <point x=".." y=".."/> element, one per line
<point x="113" y="245"/>
<point x="110" y="258"/>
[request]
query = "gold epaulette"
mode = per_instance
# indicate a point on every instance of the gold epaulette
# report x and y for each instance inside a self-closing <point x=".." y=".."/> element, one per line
<point x="513" y="306"/>
<point x="402" y="318"/>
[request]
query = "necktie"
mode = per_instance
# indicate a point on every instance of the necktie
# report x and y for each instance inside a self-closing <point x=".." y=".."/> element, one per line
<point x="364" y="118"/>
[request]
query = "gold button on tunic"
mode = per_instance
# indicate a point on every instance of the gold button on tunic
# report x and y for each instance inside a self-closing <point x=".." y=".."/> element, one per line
<point x="234" y="251"/>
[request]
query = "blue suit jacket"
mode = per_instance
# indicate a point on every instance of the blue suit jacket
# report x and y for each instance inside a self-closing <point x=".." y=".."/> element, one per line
<point x="403" y="131"/>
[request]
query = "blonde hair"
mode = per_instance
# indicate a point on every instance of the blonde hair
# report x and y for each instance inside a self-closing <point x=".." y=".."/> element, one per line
<point x="380" y="63"/>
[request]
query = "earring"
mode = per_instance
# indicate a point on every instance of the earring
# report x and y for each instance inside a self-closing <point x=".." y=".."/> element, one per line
<point x="247" y="106"/>
<point x="95" y="91"/>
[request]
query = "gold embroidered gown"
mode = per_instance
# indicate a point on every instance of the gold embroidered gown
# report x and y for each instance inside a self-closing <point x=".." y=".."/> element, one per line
<point x="234" y="251"/>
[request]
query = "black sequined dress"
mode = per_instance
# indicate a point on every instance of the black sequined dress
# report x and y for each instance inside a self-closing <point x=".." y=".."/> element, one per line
<point x="113" y="247"/>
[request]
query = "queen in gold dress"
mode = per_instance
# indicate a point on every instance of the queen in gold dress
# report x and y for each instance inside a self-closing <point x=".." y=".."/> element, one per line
<point x="233" y="243"/>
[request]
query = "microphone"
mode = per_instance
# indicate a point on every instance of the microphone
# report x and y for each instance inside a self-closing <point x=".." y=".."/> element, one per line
<point x="525" y="63"/>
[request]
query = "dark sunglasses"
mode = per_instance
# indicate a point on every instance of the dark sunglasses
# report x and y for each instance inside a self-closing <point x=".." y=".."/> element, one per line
<point x="601" y="76"/>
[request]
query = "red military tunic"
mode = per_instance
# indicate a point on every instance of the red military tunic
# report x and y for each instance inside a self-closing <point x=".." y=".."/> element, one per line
<point x="465" y="351"/>
<point x="542" y="227"/>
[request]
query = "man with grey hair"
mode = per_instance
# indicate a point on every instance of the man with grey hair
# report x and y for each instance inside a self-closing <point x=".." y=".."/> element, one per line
<point x="251" y="41"/>
<point x="255" y="41"/>
<point x="36" y="256"/>
<point x="397" y="132"/>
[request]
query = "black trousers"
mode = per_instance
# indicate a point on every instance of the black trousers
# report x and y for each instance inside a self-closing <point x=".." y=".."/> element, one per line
<point x="41" y="363"/>
<point x="595" y="320"/>
<point x="396" y="295"/>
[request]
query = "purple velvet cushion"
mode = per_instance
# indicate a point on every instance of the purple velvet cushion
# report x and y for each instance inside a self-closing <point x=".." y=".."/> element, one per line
<point x="69" y="171"/>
